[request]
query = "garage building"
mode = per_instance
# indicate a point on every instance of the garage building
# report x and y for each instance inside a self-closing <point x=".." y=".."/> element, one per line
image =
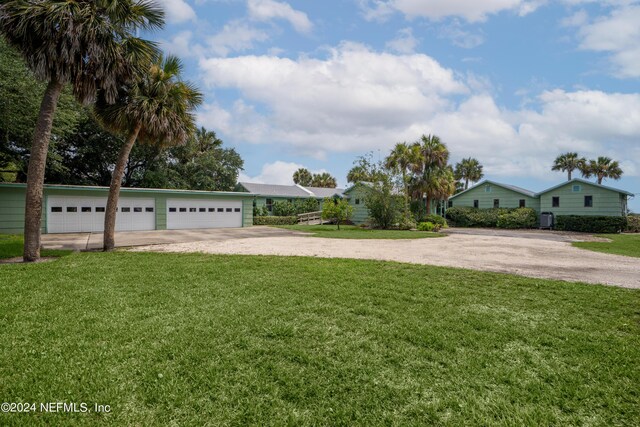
<point x="75" y="209"/>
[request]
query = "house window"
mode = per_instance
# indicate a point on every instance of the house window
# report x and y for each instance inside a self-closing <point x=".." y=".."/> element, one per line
<point x="487" y="189"/>
<point x="192" y="209"/>
<point x="496" y="203"/>
<point x="137" y="209"/>
<point x="202" y="210"/>
<point x="229" y="210"/>
<point x="212" y="209"/>
<point x="450" y="204"/>
<point x="236" y="209"/>
<point x="357" y="201"/>
<point x="100" y="209"/>
<point x="126" y="209"/>
<point x="148" y="209"/>
<point x="220" y="209"/>
<point x="523" y="203"/>
<point x="576" y="188"/>
<point x="269" y="204"/>
<point x="555" y="202"/>
<point x="476" y="204"/>
<point x="588" y="201"/>
<point x="183" y="209"/>
<point x="86" y="209"/>
<point x="72" y="209"/>
<point x="56" y="209"/>
<point x="172" y="209"/>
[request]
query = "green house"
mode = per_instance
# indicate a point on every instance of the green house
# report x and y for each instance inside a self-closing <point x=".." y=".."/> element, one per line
<point x="78" y="209"/>
<point x="356" y="195"/>
<point x="267" y="194"/>
<point x="575" y="197"/>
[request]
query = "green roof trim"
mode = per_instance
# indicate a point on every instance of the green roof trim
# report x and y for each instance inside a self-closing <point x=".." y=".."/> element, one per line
<point x="132" y="190"/>
<point x="584" y="181"/>
<point x="513" y="188"/>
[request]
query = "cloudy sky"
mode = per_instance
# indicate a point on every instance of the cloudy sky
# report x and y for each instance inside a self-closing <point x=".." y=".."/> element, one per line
<point x="511" y="82"/>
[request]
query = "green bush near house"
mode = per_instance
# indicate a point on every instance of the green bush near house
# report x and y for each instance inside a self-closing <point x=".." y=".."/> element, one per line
<point x="590" y="224"/>
<point x="338" y="211"/>
<point x="385" y="208"/>
<point x="428" y="226"/>
<point x="286" y="208"/>
<point x="633" y="224"/>
<point x="518" y="218"/>
<point x="275" y="220"/>
<point x="436" y="220"/>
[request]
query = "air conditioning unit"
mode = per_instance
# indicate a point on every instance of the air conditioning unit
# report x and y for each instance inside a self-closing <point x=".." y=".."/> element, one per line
<point x="546" y="220"/>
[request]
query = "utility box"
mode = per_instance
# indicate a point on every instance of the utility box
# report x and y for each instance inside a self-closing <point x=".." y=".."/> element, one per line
<point x="546" y="220"/>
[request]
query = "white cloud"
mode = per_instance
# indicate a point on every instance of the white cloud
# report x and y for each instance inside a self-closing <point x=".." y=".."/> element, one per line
<point x="278" y="173"/>
<point x="177" y="11"/>
<point x="334" y="105"/>
<point x="470" y="10"/>
<point x="617" y="34"/>
<point x="235" y="36"/>
<point x="266" y="10"/>
<point x="462" y="38"/>
<point x="405" y="42"/>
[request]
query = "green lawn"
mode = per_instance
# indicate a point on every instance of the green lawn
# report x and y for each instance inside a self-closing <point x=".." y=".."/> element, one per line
<point x="353" y="232"/>
<point x="11" y="247"/>
<point x="194" y="339"/>
<point x="621" y="244"/>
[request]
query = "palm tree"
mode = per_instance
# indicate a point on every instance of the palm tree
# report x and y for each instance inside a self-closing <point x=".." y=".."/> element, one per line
<point x="468" y="169"/>
<point x="358" y="173"/>
<point x="602" y="168"/>
<point x="434" y="157"/>
<point x="568" y="162"/>
<point x="157" y="109"/>
<point x="402" y="157"/>
<point x="89" y="44"/>
<point x="302" y="177"/>
<point x="324" y="180"/>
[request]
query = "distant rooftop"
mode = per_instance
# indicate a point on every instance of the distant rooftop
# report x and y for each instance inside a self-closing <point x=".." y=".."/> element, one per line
<point x="290" y="190"/>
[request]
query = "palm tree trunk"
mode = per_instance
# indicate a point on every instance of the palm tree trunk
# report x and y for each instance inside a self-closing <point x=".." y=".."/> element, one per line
<point x="406" y="191"/>
<point x="600" y="179"/>
<point x="569" y="172"/>
<point x="466" y="183"/>
<point x="35" y="173"/>
<point x="428" y="206"/>
<point x="114" y="190"/>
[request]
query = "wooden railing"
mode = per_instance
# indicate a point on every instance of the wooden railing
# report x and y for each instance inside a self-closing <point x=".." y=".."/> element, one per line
<point x="310" y="217"/>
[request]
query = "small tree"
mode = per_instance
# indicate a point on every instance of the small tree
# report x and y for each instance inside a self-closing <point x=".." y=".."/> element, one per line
<point x="384" y="206"/>
<point x="336" y="210"/>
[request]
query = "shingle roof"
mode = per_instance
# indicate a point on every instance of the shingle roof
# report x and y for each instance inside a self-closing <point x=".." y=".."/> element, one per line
<point x="325" y="192"/>
<point x="508" y="187"/>
<point x="583" y="181"/>
<point x="290" y="190"/>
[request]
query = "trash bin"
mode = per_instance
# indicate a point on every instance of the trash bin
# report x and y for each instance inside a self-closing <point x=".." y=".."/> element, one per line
<point x="546" y="220"/>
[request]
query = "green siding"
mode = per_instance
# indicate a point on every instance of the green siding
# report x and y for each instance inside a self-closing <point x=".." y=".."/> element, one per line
<point x="508" y="198"/>
<point x="606" y="202"/>
<point x="360" y="211"/>
<point x="12" y="199"/>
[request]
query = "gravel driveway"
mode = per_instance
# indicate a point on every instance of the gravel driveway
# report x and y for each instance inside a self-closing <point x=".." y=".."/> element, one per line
<point x="516" y="255"/>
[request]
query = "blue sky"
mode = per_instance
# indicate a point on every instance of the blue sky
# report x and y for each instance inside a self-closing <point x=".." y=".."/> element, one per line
<point x="513" y="83"/>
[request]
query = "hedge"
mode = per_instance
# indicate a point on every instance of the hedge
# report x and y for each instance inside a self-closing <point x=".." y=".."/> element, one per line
<point x="275" y="220"/>
<point x="493" y="218"/>
<point x="436" y="220"/>
<point x="518" y="218"/>
<point x="633" y="224"/>
<point x="590" y="224"/>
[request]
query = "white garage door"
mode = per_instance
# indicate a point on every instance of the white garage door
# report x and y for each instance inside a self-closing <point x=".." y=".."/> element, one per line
<point x="74" y="214"/>
<point x="194" y="213"/>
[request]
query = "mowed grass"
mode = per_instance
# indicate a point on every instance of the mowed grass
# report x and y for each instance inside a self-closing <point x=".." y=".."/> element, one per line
<point x="353" y="232"/>
<point x="621" y="244"/>
<point x="11" y="247"/>
<point x="194" y="339"/>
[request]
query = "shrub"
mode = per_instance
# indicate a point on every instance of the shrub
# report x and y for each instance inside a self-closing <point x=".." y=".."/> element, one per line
<point x="298" y="206"/>
<point x="473" y="217"/>
<point x="436" y="220"/>
<point x="275" y="220"/>
<point x="260" y="211"/>
<point x="336" y="210"/>
<point x="384" y="207"/>
<point x="633" y="224"/>
<point x="283" y="208"/>
<point x="590" y="224"/>
<point x="418" y="210"/>
<point x="406" y="222"/>
<point x="428" y="226"/>
<point x="518" y="218"/>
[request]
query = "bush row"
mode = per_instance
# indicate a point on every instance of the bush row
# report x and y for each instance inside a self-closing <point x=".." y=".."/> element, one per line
<point x="493" y="218"/>
<point x="633" y="224"/>
<point x="590" y="224"/>
<point x="275" y="220"/>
